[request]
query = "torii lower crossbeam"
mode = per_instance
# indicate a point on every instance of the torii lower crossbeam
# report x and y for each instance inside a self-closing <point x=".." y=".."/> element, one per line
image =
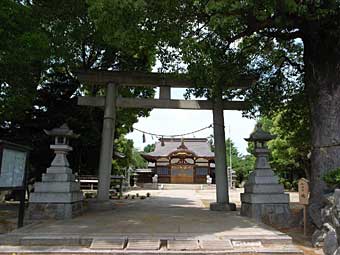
<point x="162" y="103"/>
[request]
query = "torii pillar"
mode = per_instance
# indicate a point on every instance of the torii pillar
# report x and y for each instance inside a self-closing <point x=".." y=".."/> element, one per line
<point x="222" y="192"/>
<point x="106" y="150"/>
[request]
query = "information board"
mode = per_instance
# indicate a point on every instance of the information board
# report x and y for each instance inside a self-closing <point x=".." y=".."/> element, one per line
<point x="12" y="170"/>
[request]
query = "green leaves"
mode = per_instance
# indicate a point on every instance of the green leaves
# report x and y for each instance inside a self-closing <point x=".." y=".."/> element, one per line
<point x="23" y="53"/>
<point x="292" y="144"/>
<point x="132" y="156"/>
<point x="241" y="164"/>
<point x="121" y="22"/>
<point x="41" y="44"/>
<point x="332" y="178"/>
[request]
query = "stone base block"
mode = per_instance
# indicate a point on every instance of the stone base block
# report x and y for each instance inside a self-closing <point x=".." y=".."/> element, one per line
<point x="262" y="172"/>
<point x="222" y="206"/>
<point x="56" y="197"/>
<point x="264" y="188"/>
<point x="275" y="214"/>
<point x="57" y="187"/>
<point x="253" y="179"/>
<point x="58" y="178"/>
<point x="59" y="170"/>
<point x="265" y="198"/>
<point x="56" y="211"/>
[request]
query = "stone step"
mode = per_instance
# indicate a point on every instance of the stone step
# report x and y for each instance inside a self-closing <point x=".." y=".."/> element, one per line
<point x="107" y="244"/>
<point x="79" y="244"/>
<point x="78" y="250"/>
<point x="143" y="244"/>
<point x="183" y="245"/>
<point x="55" y="241"/>
<point x="265" y="240"/>
<point x="74" y="239"/>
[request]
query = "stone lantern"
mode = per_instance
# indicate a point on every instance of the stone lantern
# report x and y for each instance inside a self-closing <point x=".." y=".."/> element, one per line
<point x="264" y="198"/>
<point x="260" y="138"/>
<point x="135" y="179"/>
<point x="61" y="145"/>
<point x="58" y="196"/>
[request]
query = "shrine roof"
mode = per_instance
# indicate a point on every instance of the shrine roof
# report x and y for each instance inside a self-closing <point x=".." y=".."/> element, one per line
<point x="198" y="146"/>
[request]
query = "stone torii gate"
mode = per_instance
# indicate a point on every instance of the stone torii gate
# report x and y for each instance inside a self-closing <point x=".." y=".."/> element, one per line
<point x="113" y="79"/>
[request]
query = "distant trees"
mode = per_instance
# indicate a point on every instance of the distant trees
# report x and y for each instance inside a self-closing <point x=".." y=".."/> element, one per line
<point x="241" y="164"/>
<point x="131" y="158"/>
<point x="290" y="150"/>
<point x="149" y="148"/>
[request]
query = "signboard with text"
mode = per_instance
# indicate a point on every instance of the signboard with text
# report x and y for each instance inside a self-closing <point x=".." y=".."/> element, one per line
<point x="303" y="187"/>
<point x="12" y="170"/>
<point x="13" y="160"/>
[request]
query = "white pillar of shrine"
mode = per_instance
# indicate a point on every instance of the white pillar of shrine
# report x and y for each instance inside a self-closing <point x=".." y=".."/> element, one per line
<point x="106" y="151"/>
<point x="222" y="193"/>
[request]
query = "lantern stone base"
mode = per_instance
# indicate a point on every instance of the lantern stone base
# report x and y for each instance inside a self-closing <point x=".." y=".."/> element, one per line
<point x="55" y="211"/>
<point x="222" y="206"/>
<point x="264" y="199"/>
<point x="274" y="214"/>
<point x="55" y="200"/>
<point x="58" y="196"/>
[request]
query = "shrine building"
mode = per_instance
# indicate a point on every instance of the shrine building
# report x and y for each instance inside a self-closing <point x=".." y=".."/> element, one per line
<point x="187" y="160"/>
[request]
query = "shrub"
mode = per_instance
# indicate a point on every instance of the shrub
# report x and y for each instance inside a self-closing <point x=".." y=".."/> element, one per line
<point x="88" y="195"/>
<point x="295" y="185"/>
<point x="332" y="178"/>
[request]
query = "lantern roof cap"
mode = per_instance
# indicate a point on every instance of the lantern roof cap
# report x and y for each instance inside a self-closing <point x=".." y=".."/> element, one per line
<point x="259" y="135"/>
<point x="63" y="130"/>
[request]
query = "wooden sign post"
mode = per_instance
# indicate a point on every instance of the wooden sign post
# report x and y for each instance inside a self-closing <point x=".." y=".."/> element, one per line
<point x="303" y="187"/>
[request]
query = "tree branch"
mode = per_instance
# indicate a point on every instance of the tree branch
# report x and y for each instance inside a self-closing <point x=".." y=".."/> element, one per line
<point x="296" y="65"/>
<point x="282" y="35"/>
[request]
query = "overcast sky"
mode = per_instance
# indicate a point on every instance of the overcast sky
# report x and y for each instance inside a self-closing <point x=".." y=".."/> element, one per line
<point x="172" y="122"/>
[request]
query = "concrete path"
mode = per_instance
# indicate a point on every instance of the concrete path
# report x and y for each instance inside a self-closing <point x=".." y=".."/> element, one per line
<point x="166" y="215"/>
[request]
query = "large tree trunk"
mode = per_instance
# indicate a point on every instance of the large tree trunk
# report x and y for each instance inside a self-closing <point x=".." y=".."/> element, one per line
<point x="322" y="79"/>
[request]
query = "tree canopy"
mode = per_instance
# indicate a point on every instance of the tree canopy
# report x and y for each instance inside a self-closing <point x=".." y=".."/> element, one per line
<point x="241" y="164"/>
<point x="42" y="42"/>
<point x="289" y="50"/>
<point x="291" y="47"/>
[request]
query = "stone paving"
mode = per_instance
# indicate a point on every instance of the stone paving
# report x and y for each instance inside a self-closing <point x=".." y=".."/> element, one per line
<point x="166" y="212"/>
<point x="170" y="220"/>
